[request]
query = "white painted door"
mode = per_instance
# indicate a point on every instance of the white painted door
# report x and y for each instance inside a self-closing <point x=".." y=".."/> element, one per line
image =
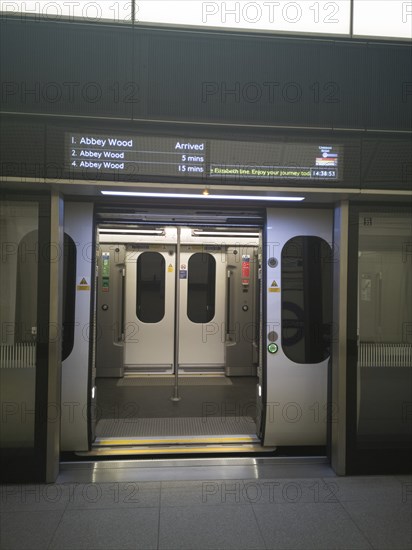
<point x="202" y="279"/>
<point x="149" y="307"/>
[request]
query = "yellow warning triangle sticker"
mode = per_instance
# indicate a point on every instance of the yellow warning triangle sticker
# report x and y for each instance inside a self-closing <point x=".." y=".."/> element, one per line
<point x="274" y="284"/>
<point x="83" y="285"/>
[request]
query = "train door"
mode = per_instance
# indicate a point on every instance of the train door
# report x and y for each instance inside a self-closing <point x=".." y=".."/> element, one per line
<point x="298" y="329"/>
<point x="77" y="397"/>
<point x="202" y="277"/>
<point x="149" y="303"/>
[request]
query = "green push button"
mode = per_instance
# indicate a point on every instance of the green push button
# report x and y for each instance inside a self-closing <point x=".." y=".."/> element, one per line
<point x="272" y="348"/>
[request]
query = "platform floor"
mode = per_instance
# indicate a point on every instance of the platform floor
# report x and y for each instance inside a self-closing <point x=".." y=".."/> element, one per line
<point x="235" y="504"/>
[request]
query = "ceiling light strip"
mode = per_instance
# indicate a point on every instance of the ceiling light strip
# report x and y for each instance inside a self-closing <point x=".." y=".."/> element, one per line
<point x="202" y="197"/>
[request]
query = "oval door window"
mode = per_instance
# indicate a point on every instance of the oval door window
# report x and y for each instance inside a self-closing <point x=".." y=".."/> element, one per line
<point x="69" y="294"/>
<point x="306" y="299"/>
<point x="150" y="287"/>
<point x="201" y="287"/>
<point x="26" y="299"/>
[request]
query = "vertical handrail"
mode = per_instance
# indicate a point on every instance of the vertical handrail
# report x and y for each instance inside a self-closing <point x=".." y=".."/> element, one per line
<point x="175" y="396"/>
<point x="228" y="304"/>
<point x="122" y="272"/>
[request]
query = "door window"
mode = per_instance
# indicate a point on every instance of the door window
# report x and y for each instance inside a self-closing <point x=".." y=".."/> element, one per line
<point x="306" y="299"/>
<point x="201" y="288"/>
<point x="150" y="292"/>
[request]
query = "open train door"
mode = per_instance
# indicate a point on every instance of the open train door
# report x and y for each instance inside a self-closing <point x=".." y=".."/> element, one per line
<point x="297" y="334"/>
<point x="78" y="406"/>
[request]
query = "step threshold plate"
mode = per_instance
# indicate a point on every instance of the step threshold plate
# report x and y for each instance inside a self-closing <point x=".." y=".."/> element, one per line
<point x="175" y="449"/>
<point x="175" y="427"/>
<point x="179" y="440"/>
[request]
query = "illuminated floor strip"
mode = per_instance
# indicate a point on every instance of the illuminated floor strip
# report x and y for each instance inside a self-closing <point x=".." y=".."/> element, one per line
<point x="110" y="442"/>
<point x="179" y="449"/>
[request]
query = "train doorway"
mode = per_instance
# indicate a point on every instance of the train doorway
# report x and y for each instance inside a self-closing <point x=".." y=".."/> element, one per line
<point x="177" y="346"/>
<point x="203" y="340"/>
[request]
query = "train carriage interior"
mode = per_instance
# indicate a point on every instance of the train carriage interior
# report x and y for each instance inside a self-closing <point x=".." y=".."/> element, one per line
<point x="213" y="344"/>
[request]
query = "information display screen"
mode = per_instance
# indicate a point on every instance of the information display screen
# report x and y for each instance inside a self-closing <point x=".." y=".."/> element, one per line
<point x="274" y="161"/>
<point x="144" y="156"/>
<point x="135" y="155"/>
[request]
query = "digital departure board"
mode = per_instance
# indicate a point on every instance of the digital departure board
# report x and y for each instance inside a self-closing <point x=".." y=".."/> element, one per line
<point x="149" y="156"/>
<point x="271" y="161"/>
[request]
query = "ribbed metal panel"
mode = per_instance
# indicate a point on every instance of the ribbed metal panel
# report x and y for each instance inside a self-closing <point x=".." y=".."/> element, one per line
<point x="18" y="356"/>
<point x="384" y="355"/>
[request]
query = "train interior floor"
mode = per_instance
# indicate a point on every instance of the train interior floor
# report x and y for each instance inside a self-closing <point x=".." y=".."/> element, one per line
<point x="137" y="406"/>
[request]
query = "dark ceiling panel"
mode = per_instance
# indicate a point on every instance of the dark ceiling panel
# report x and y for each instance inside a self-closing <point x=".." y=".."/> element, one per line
<point x="387" y="163"/>
<point x="67" y="69"/>
<point x="389" y="87"/>
<point x="286" y="82"/>
<point x="22" y="148"/>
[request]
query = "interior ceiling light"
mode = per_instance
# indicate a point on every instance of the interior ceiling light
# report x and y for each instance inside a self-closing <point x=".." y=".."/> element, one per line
<point x="223" y="234"/>
<point x="134" y="231"/>
<point x="203" y="197"/>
